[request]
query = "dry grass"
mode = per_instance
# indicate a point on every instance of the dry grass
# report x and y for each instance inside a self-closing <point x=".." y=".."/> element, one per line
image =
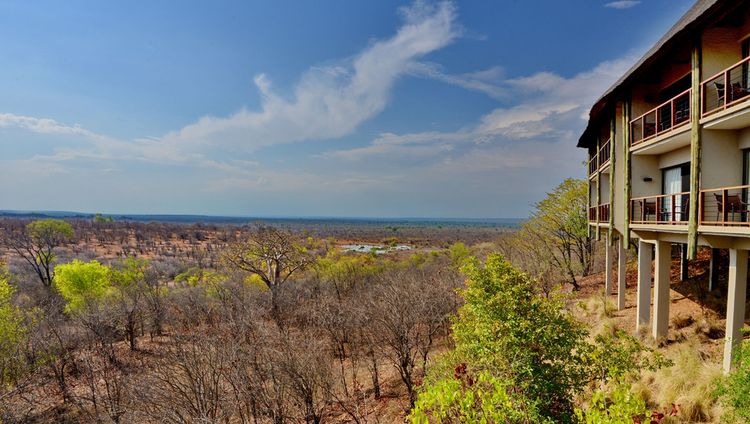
<point x="689" y="384"/>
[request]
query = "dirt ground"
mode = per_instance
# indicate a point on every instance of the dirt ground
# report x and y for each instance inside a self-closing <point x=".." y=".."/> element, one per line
<point x="693" y="309"/>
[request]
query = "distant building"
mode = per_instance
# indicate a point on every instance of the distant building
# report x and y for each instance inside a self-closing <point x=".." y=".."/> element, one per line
<point x="669" y="158"/>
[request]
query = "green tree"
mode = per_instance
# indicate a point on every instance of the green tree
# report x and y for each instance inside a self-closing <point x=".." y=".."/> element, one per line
<point x="528" y="342"/>
<point x="12" y="333"/>
<point x="36" y="245"/>
<point x="459" y="253"/>
<point x="558" y="227"/>
<point x="80" y="283"/>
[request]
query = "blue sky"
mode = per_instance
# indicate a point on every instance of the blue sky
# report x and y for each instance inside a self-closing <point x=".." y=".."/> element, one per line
<point x="325" y="108"/>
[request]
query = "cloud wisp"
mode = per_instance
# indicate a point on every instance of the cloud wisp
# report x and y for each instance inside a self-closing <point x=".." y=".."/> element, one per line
<point x="329" y="101"/>
<point x="549" y="107"/>
<point x="622" y="4"/>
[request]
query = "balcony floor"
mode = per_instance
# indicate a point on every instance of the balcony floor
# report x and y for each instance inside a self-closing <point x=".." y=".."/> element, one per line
<point x="735" y="117"/>
<point x="663" y="143"/>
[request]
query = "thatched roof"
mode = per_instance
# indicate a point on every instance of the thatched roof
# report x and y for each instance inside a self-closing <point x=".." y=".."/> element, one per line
<point x="699" y="13"/>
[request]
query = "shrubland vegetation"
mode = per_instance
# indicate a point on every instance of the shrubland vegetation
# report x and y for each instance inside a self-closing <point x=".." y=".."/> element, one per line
<point x="190" y="324"/>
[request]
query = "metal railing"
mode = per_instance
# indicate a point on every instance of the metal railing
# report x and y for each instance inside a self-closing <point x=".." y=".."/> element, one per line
<point x="726" y="206"/>
<point x="726" y="88"/>
<point x="594" y="164"/>
<point x="661" y="119"/>
<point x="592" y="213"/>
<point x="604" y="212"/>
<point x="604" y="154"/>
<point x="662" y="209"/>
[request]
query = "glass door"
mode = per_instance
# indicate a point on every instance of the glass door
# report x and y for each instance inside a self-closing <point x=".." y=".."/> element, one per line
<point x="675" y="180"/>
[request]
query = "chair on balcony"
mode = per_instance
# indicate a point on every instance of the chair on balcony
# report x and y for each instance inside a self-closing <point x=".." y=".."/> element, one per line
<point x="734" y="205"/>
<point x="648" y="208"/>
<point x="738" y="91"/>
<point x="719" y="87"/>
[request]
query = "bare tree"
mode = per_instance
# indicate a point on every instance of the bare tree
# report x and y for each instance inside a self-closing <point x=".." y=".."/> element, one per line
<point x="408" y="309"/>
<point x="36" y="244"/>
<point x="271" y="254"/>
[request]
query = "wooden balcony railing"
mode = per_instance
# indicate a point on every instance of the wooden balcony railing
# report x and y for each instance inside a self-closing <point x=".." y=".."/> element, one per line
<point x="726" y="88"/>
<point x="662" y="209"/>
<point x="593" y="164"/>
<point x="592" y="213"/>
<point x="661" y="119"/>
<point x="604" y="154"/>
<point x="726" y="206"/>
<point x="599" y="213"/>
<point x="604" y="212"/>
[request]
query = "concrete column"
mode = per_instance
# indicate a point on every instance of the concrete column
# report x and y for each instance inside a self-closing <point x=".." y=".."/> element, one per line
<point x="735" y="303"/>
<point x="609" y="259"/>
<point x="622" y="258"/>
<point x="683" y="262"/>
<point x="643" y="304"/>
<point x="713" y="269"/>
<point x="661" y="289"/>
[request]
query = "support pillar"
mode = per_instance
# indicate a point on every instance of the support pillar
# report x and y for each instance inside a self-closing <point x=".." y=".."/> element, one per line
<point x="609" y="259"/>
<point x="661" y="289"/>
<point x="622" y="258"/>
<point x="713" y="269"/>
<point x="735" y="303"/>
<point x="684" y="262"/>
<point x="643" y="304"/>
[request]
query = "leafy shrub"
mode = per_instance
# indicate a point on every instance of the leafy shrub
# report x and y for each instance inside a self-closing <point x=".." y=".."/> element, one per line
<point x="734" y="389"/>
<point x="527" y="342"/>
<point x="615" y="406"/>
<point x="483" y="398"/>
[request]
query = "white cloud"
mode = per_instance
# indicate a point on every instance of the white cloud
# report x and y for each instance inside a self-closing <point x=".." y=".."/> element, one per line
<point x="485" y="81"/>
<point x="622" y="4"/>
<point x="548" y="106"/>
<point x="329" y="101"/>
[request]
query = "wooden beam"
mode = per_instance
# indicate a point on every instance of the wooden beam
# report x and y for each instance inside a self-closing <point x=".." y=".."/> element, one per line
<point x="695" y="150"/>
<point x="598" y="192"/>
<point x="611" y="238"/>
<point x="625" y="237"/>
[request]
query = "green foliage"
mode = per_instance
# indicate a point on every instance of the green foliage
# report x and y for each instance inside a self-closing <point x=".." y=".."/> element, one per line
<point x="209" y="280"/>
<point x="556" y="236"/>
<point x="102" y="218"/>
<point x="507" y="329"/>
<point x="342" y="268"/>
<point x="129" y="272"/>
<point x="465" y="399"/>
<point x="734" y="389"/>
<point x="49" y="231"/>
<point x="614" y="356"/>
<point x="82" y="282"/>
<point x="615" y="406"/>
<point x="459" y="254"/>
<point x="12" y="332"/>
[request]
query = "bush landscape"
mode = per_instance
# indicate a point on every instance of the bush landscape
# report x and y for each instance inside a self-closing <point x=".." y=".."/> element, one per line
<point x="107" y="321"/>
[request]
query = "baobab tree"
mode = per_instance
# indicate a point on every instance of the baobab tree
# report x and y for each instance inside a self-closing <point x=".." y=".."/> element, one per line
<point x="271" y="254"/>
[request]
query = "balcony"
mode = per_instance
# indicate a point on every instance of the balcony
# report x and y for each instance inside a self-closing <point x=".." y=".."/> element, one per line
<point x="661" y="120"/>
<point x="666" y="209"/>
<point x="715" y="95"/>
<point x="592" y="214"/>
<point x="725" y="207"/>
<point x="600" y="159"/>
<point x="604" y="213"/>
<point x="593" y="165"/>
<point x="599" y="214"/>
<point x="604" y="154"/>
<point x="723" y="98"/>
